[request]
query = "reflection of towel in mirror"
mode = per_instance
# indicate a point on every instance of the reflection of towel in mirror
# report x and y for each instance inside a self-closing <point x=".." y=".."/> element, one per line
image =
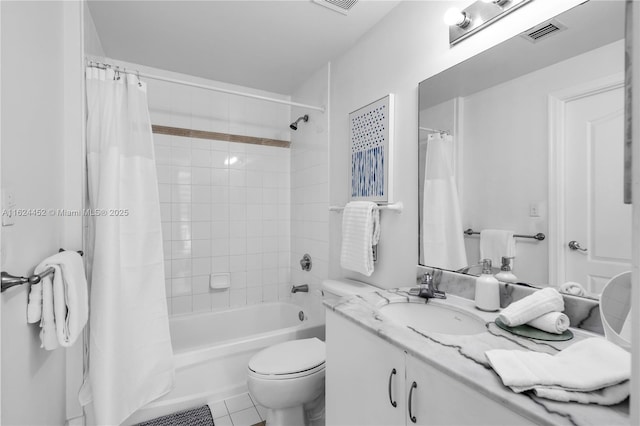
<point x="496" y="244"/>
<point x="572" y="288"/>
<point x="442" y="239"/>
<point x="360" y="232"/>
<point x="578" y="373"/>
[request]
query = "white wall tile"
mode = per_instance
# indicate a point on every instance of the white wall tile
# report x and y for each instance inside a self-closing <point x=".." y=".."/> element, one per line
<point x="200" y="284"/>
<point x="180" y="286"/>
<point x="219" y="215"/>
<point x="220" y="299"/>
<point x="181" y="305"/>
<point x="201" y="175"/>
<point x="238" y="297"/>
<point x="201" y="302"/>
<point x="201" y="230"/>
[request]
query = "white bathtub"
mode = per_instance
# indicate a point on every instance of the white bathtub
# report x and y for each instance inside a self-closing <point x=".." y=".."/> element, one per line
<point x="212" y="350"/>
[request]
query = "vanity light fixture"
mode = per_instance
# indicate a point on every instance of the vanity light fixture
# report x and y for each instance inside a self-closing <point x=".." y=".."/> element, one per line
<point x="463" y="23"/>
<point x="455" y="16"/>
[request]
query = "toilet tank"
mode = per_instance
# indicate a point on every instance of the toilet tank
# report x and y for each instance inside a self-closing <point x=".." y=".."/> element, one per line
<point x="334" y="289"/>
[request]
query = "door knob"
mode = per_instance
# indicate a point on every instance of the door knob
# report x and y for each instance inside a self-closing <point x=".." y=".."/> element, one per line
<point x="574" y="245"/>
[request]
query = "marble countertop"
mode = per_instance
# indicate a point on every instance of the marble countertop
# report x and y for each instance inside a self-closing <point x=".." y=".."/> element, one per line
<point x="462" y="356"/>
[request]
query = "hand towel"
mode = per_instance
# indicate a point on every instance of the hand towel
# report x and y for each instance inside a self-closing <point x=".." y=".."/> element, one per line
<point x="34" y="306"/>
<point x="48" y="336"/>
<point x="360" y="232"/>
<point x="64" y="300"/>
<point x="573" y="288"/>
<point x="496" y="243"/>
<point x="539" y="303"/>
<point x="606" y="396"/>
<point x="586" y="366"/>
<point x="552" y="322"/>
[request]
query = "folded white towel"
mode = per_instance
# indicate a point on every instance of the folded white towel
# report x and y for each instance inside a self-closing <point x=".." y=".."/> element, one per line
<point x="60" y="301"/>
<point x="34" y="306"/>
<point x="573" y="288"/>
<point x="606" y="396"/>
<point x="496" y="243"/>
<point x="588" y="365"/>
<point x="48" y="337"/>
<point x="539" y="303"/>
<point x="360" y="232"/>
<point x="552" y="322"/>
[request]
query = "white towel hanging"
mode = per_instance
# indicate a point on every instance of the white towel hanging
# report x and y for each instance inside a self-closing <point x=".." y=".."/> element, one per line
<point x="360" y="232"/>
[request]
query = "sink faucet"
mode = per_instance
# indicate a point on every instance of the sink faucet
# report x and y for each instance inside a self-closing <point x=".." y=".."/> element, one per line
<point x="428" y="289"/>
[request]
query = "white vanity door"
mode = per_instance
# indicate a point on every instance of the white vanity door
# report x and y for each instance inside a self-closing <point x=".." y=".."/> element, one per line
<point x="438" y="399"/>
<point x="360" y="383"/>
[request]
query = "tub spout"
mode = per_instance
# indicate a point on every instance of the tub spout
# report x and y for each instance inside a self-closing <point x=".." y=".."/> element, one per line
<point x="303" y="288"/>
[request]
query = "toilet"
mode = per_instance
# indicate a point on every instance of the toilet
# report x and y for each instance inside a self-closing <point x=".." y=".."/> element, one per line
<point x="286" y="377"/>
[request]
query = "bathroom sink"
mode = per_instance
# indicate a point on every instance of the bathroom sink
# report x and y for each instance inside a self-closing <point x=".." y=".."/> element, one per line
<point x="434" y="318"/>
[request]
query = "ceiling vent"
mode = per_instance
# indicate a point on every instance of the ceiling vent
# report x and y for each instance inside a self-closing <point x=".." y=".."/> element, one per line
<point x="544" y="31"/>
<point x="342" y="6"/>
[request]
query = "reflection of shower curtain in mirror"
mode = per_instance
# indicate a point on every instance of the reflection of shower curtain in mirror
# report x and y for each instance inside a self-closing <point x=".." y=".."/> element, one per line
<point x="442" y="238"/>
<point x="130" y="354"/>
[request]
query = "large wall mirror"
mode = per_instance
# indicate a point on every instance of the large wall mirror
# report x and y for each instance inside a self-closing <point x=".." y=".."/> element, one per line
<point x="527" y="137"/>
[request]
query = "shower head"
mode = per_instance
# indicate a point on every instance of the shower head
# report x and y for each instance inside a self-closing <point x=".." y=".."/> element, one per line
<point x="294" y="125"/>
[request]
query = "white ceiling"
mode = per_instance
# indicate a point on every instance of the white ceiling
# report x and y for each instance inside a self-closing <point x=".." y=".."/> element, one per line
<point x="264" y="44"/>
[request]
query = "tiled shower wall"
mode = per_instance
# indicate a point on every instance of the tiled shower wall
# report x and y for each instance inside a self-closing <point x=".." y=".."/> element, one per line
<point x="310" y="186"/>
<point x="225" y="206"/>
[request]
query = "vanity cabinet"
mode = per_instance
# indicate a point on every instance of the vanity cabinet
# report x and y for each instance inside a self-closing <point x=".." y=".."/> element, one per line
<point x="364" y="377"/>
<point x="360" y="386"/>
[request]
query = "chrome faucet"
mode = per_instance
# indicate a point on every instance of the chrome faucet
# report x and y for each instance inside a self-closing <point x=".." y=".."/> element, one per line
<point x="428" y="289"/>
<point x="303" y="288"/>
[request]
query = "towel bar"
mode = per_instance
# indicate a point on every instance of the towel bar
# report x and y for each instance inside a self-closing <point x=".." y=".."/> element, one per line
<point x="539" y="236"/>
<point x="9" y="280"/>
<point x="395" y="207"/>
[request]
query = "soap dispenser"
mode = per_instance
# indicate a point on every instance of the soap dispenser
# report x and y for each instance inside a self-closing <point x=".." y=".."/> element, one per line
<point x="506" y="275"/>
<point x="487" y="289"/>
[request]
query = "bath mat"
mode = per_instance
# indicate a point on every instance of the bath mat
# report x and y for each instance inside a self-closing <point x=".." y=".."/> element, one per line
<point x="200" y="416"/>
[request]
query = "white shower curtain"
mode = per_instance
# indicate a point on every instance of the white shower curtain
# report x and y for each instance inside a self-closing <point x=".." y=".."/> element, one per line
<point x="130" y="354"/>
<point x="442" y="238"/>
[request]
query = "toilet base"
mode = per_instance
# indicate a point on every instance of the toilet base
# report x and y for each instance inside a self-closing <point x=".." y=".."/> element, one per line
<point x="291" y="416"/>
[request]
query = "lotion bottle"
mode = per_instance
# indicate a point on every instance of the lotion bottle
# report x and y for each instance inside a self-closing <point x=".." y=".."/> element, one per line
<point x="487" y="289"/>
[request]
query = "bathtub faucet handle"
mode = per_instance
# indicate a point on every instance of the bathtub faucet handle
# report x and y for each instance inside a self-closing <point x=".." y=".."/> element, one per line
<point x="303" y="288"/>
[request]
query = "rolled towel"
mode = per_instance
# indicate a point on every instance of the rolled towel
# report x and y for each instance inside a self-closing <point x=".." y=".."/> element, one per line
<point x="572" y="288"/>
<point x="553" y="322"/>
<point x="531" y="307"/>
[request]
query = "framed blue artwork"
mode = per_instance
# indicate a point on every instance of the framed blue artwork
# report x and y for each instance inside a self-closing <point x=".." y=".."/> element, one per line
<point x="371" y="148"/>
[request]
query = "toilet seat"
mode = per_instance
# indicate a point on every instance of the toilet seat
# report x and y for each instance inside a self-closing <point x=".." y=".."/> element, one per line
<point x="289" y="360"/>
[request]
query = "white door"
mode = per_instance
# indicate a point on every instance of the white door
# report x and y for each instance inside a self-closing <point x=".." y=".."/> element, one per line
<point x="597" y="224"/>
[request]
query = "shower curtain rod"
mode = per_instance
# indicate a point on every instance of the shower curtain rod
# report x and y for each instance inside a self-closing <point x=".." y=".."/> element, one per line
<point x="428" y="129"/>
<point x="103" y="65"/>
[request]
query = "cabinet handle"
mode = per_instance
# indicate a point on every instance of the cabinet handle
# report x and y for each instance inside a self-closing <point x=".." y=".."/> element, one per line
<point x="411" y="416"/>
<point x="393" y="403"/>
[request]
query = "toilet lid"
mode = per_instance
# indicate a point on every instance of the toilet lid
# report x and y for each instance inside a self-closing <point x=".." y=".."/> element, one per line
<point x="289" y="357"/>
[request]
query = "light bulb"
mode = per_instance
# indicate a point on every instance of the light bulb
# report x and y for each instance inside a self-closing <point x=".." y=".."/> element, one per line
<point x="455" y="16"/>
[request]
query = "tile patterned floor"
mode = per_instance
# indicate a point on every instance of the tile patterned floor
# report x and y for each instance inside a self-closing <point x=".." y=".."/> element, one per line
<point x="239" y="410"/>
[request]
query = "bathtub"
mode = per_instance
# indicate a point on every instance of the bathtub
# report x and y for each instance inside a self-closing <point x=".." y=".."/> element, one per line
<point x="212" y="351"/>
